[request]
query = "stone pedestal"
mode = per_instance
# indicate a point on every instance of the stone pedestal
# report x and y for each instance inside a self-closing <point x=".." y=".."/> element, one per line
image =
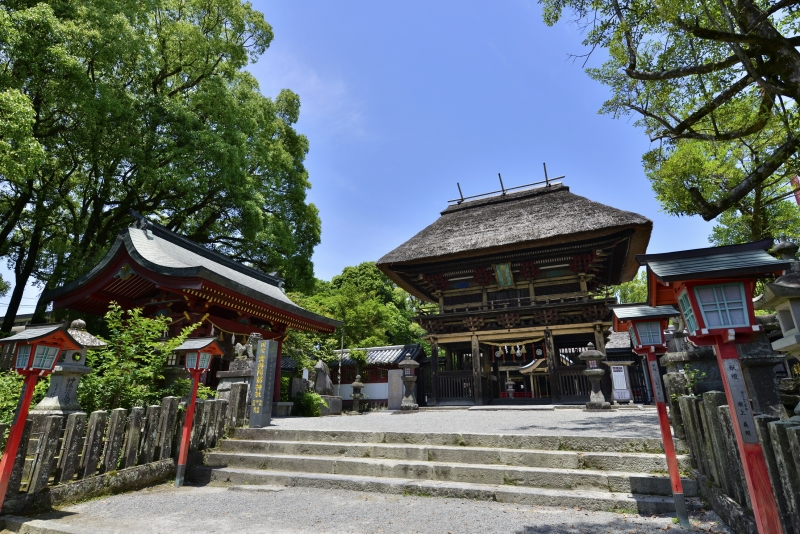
<point x="282" y="409"/>
<point x="395" y="389"/>
<point x="334" y="405"/>
<point x="239" y="371"/>
<point x="62" y="395"/>
<point x="682" y="353"/>
<point x="758" y="365"/>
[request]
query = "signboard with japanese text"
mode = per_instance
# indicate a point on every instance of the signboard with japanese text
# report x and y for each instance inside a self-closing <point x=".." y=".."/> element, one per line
<point x="741" y="403"/>
<point x="266" y="356"/>
<point x="659" y="389"/>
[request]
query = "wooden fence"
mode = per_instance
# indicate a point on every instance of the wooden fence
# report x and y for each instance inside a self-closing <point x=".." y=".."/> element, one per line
<point x="62" y="451"/>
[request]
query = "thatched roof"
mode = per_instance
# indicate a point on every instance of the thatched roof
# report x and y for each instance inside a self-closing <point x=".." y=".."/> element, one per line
<point x="534" y="218"/>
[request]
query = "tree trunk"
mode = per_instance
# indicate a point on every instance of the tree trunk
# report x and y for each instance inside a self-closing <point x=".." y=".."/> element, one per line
<point x="22" y="276"/>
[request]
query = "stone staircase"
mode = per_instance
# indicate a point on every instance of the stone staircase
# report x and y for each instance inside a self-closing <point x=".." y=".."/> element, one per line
<point x="591" y="473"/>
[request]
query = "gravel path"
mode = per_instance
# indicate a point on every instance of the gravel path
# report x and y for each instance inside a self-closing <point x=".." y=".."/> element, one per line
<point x="622" y="423"/>
<point x="198" y="510"/>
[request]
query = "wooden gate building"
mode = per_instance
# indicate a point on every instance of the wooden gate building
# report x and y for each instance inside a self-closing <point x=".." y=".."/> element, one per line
<point x="518" y="287"/>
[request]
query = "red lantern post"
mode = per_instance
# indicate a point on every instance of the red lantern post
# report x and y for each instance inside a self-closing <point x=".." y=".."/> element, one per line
<point x="197" y="354"/>
<point x="647" y="325"/>
<point x="36" y="354"/>
<point x="713" y="288"/>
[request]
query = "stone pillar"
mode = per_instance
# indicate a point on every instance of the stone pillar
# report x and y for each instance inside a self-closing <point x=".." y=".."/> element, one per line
<point x="476" y="371"/>
<point x="758" y="363"/>
<point x="276" y="394"/>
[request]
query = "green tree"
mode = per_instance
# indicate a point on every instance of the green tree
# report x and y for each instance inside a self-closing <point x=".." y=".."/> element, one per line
<point x="712" y="80"/>
<point x="10" y="391"/>
<point x="375" y="312"/>
<point x="146" y="106"/>
<point x="129" y="371"/>
<point x="634" y="291"/>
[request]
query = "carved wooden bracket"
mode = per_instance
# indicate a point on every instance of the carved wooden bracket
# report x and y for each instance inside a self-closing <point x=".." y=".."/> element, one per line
<point x="507" y="320"/>
<point x="546" y="317"/>
<point x="473" y="323"/>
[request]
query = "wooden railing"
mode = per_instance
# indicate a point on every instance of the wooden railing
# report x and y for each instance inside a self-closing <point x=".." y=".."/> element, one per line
<point x="455" y="385"/>
<point x="573" y="386"/>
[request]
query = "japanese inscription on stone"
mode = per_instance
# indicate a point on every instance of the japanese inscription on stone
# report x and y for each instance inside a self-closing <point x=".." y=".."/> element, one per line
<point x="741" y="403"/>
<point x="657" y="387"/>
<point x="263" y="383"/>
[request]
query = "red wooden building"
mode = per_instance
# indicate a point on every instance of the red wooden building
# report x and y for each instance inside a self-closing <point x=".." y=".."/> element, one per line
<point x="165" y="274"/>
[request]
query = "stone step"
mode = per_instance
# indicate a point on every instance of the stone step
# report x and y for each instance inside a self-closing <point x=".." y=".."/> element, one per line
<point x="502" y="441"/>
<point x="585" y="500"/>
<point x="629" y="462"/>
<point x="538" y="477"/>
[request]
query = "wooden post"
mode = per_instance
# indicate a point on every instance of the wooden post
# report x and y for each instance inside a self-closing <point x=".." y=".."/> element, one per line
<point x="8" y="461"/>
<point x="94" y="440"/>
<point x="276" y="394"/>
<point x="599" y="338"/>
<point x="476" y="371"/>
<point x="448" y="359"/>
<point x="186" y="435"/>
<point x="73" y="435"/>
<point x="434" y="400"/>
<point x="168" y="415"/>
<point x="132" y="437"/>
<point x="116" y="429"/>
<point x="669" y="446"/>
<point x="48" y="446"/>
<point x="765" y="508"/>
<point x="152" y="422"/>
<point x="552" y="363"/>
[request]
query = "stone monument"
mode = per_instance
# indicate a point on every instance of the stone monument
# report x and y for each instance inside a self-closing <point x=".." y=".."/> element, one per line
<point x="241" y="368"/>
<point x="594" y="372"/>
<point x="62" y="395"/>
<point x="324" y="386"/>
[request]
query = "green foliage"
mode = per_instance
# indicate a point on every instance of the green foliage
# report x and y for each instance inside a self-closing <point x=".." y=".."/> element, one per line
<point x="706" y="81"/>
<point x="108" y="106"/>
<point x="309" y="404"/>
<point x="11" y="389"/>
<point x="693" y="377"/>
<point x="633" y="291"/>
<point x="375" y="312"/>
<point x="4" y="287"/>
<point x="286" y="384"/>
<point x="130" y="370"/>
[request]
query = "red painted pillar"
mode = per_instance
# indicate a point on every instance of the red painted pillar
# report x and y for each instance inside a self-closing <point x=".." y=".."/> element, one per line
<point x="669" y="447"/>
<point x="15" y="435"/>
<point x="765" y="509"/>
<point x="186" y="436"/>
<point x="276" y="394"/>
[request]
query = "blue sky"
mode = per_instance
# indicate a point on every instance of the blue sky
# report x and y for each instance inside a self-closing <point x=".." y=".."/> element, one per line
<point x="401" y="100"/>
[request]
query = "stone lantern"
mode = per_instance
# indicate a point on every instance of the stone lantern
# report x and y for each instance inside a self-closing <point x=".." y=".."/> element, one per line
<point x="593" y="370"/>
<point x="409" y="368"/>
<point x="356" y="394"/>
<point x="62" y="395"/>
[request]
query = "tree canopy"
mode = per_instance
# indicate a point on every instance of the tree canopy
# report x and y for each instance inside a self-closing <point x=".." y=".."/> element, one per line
<point x="116" y="105"/>
<point x="375" y="312"/>
<point x="715" y="85"/>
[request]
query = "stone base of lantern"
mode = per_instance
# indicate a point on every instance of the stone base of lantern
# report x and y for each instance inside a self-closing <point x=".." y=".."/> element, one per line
<point x="334" y="405"/>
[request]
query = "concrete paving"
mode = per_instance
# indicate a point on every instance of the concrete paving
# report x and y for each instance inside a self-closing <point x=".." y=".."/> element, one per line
<point x="279" y="510"/>
<point x="572" y="422"/>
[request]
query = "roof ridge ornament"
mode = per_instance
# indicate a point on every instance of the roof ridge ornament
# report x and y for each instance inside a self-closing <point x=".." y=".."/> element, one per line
<point x="503" y="189"/>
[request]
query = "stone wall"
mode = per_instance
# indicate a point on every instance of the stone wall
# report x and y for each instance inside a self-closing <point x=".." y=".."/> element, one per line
<point x="709" y="435"/>
<point x="67" y="459"/>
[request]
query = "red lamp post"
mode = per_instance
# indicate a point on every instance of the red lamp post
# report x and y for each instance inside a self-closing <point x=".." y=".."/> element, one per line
<point x="713" y="288"/>
<point x="197" y="354"/>
<point x="36" y="354"/>
<point x="646" y="325"/>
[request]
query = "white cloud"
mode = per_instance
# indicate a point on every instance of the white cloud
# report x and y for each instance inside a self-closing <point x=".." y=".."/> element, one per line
<point x="328" y="106"/>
